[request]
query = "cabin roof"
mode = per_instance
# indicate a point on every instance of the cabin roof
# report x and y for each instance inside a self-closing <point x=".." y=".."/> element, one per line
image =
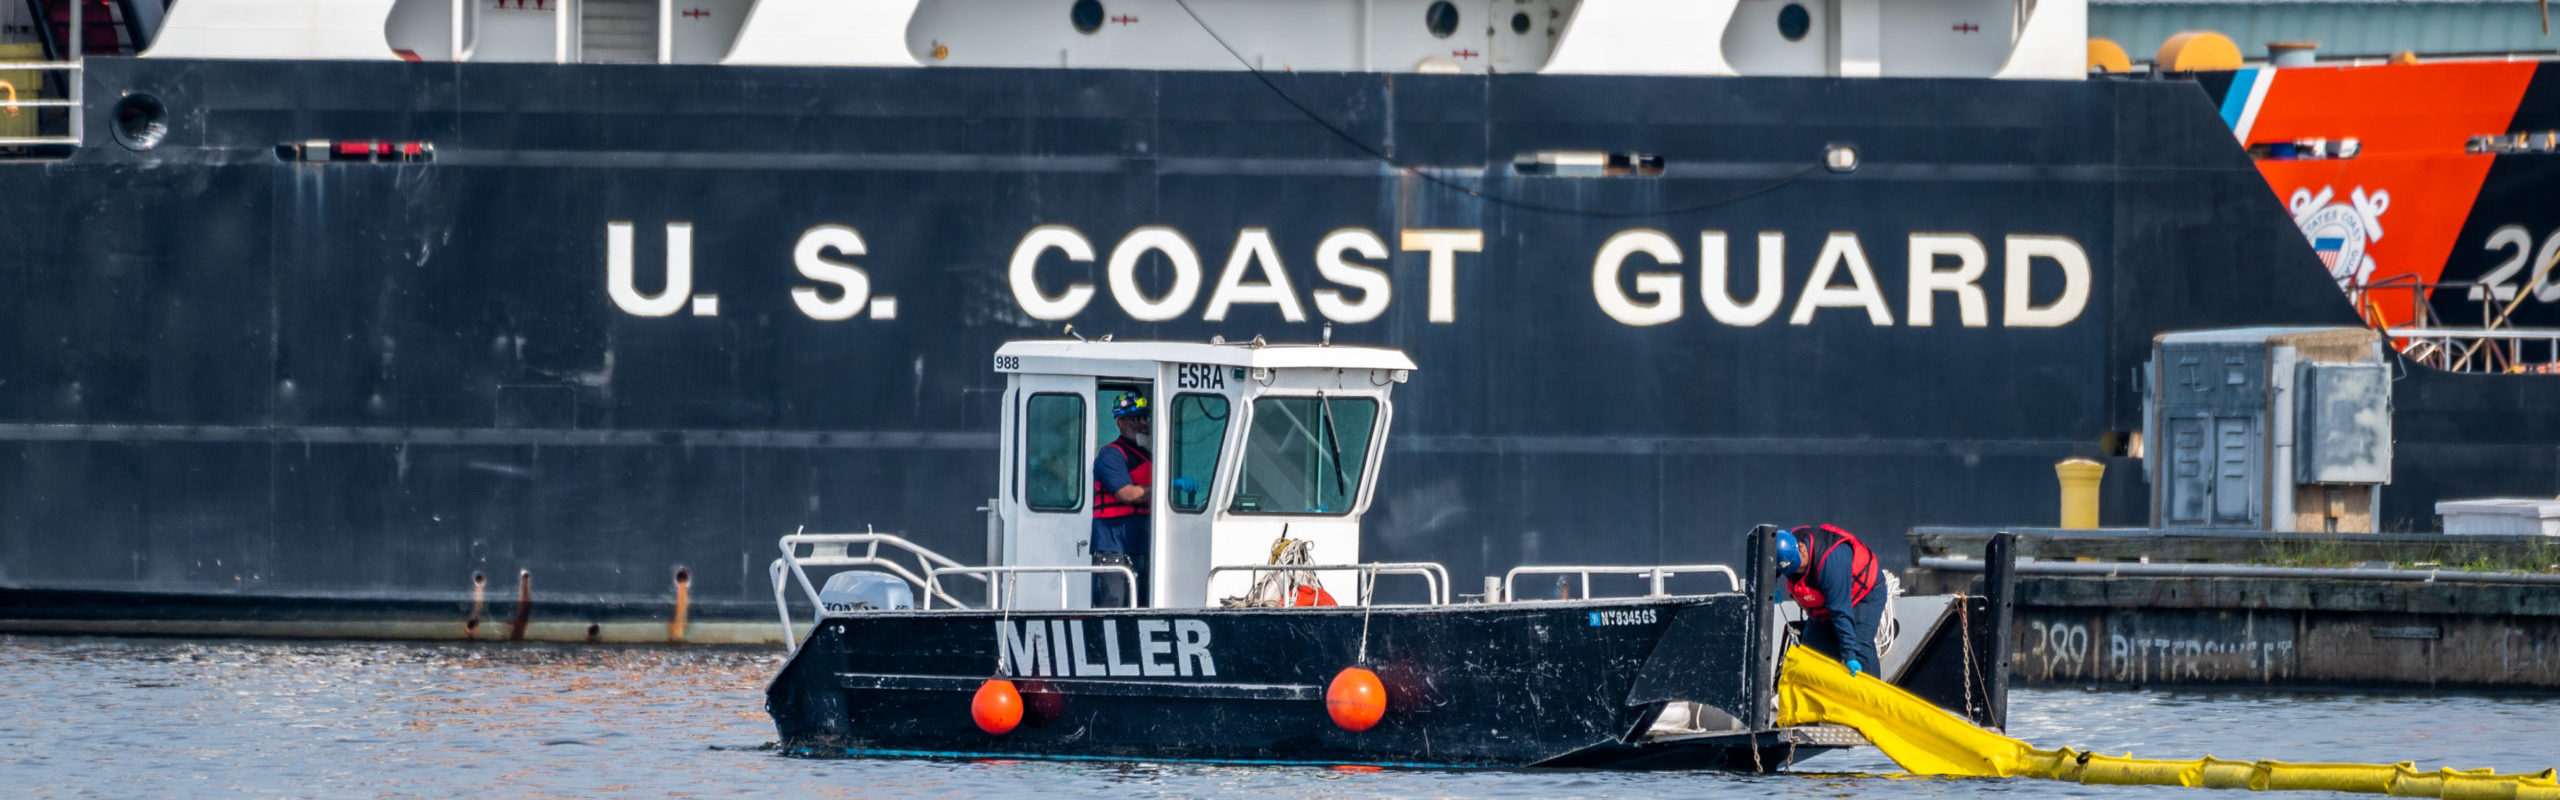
<point x="1240" y="354"/>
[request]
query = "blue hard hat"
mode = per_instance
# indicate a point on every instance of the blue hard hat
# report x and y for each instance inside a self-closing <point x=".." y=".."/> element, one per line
<point x="1130" y="405"/>
<point x="1790" y="554"/>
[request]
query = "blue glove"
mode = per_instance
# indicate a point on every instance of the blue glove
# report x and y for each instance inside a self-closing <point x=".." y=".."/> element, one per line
<point x="1185" y="485"/>
<point x="1856" y="668"/>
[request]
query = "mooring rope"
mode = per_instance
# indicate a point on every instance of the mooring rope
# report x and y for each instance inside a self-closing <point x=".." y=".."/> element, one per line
<point x="1004" y="618"/>
<point x="1368" y="605"/>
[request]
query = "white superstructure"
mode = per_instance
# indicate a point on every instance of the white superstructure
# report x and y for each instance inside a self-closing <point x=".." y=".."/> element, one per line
<point x="1844" y="38"/>
<point x="1251" y="444"/>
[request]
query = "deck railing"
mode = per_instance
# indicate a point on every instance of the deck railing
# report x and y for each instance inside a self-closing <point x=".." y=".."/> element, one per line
<point x="1003" y="594"/>
<point x="1656" y="574"/>
<point x="803" y="550"/>
<point x="31" y="100"/>
<point x="2501" y="350"/>
<point x="1435" y="576"/>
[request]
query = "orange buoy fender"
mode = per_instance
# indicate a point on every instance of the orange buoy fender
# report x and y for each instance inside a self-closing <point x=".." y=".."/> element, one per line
<point x="1356" y="700"/>
<point x="997" y="706"/>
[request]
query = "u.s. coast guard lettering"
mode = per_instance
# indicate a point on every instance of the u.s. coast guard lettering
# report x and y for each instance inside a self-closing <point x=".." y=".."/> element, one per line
<point x="1353" y="284"/>
<point x="1951" y="263"/>
<point x="1106" y="648"/>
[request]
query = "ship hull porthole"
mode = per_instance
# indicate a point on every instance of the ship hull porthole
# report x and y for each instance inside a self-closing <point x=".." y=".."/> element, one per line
<point x="1794" y="22"/>
<point x="1441" y="18"/>
<point x="1086" y="15"/>
<point x="140" y="122"/>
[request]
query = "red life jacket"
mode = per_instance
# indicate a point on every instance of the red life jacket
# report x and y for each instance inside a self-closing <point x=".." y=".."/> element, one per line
<point x="1823" y="541"/>
<point x="1141" y="473"/>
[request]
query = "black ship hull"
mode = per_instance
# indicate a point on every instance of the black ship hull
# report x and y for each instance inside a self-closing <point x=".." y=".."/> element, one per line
<point x="234" y="373"/>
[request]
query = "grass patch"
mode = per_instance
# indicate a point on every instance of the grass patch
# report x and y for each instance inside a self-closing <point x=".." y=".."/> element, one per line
<point x="2293" y="552"/>
<point x="2452" y="554"/>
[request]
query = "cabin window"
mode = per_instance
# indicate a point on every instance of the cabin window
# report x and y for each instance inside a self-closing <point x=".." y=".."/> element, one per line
<point x="1199" y="431"/>
<point x="1304" y="455"/>
<point x="1053" y="452"/>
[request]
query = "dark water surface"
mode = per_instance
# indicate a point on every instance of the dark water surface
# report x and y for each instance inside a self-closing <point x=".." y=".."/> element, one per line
<point x="175" y="718"/>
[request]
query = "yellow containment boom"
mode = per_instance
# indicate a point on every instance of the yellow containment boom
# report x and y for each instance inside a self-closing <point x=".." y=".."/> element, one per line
<point x="1927" y="740"/>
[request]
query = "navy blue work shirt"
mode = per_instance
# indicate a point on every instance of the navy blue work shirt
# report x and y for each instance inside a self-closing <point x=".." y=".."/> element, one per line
<point x="1127" y="534"/>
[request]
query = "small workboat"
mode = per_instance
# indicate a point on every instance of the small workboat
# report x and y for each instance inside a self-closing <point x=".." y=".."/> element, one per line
<point x="1240" y="654"/>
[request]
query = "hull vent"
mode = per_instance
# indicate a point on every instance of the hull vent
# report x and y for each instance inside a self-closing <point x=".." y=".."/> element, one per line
<point x="618" y="32"/>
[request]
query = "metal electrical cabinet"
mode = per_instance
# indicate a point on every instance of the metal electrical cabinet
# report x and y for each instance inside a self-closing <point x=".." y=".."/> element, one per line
<point x="2212" y="414"/>
<point x="2344" y="414"/>
<point x="2270" y="429"/>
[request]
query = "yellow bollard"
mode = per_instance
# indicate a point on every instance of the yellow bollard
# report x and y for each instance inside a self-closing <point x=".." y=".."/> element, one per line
<point x="2079" y="491"/>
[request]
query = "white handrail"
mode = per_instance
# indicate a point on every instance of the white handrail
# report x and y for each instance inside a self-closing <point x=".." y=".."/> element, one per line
<point x="1433" y="575"/>
<point x="837" y="550"/>
<point x="996" y="598"/>
<point x="12" y="101"/>
<point x="2545" y="334"/>
<point x="782" y="604"/>
<point x="1656" y="573"/>
<point x="2455" y="349"/>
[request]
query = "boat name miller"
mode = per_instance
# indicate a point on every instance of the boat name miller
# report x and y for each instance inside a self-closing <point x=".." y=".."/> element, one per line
<point x="1062" y="648"/>
<point x="1353" y="263"/>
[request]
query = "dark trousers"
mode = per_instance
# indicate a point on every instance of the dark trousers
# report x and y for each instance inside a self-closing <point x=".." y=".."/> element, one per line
<point x="1820" y="634"/>
<point x="1109" y="591"/>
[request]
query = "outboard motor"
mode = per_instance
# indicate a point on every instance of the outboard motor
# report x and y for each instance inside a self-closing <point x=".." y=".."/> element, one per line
<point x="858" y="590"/>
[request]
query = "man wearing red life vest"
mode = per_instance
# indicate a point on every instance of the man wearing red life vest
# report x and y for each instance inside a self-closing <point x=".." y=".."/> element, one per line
<point x="1836" y="580"/>
<point x="1122" y="471"/>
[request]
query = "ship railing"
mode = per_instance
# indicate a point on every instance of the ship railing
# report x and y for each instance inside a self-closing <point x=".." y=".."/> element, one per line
<point x="1656" y="575"/>
<point x="1434" y="577"/>
<point x="15" y="100"/>
<point x="2496" y="350"/>
<point x="1003" y="594"/>
<point x="2419" y="292"/>
<point x="2498" y="301"/>
<point x="853" y="550"/>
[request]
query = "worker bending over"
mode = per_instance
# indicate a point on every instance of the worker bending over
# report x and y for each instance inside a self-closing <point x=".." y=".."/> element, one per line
<point x="1845" y="594"/>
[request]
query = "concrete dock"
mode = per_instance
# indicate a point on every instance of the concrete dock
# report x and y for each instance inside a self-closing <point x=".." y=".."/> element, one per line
<point x="2195" y="608"/>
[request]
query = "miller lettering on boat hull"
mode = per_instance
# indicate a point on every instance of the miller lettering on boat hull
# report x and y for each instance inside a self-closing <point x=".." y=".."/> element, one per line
<point x="1064" y="648"/>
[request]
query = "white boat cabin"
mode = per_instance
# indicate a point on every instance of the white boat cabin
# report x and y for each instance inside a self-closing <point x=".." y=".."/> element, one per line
<point x="1260" y="440"/>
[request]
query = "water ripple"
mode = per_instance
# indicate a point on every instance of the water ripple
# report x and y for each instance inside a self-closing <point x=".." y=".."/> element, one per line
<point x="219" y="719"/>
